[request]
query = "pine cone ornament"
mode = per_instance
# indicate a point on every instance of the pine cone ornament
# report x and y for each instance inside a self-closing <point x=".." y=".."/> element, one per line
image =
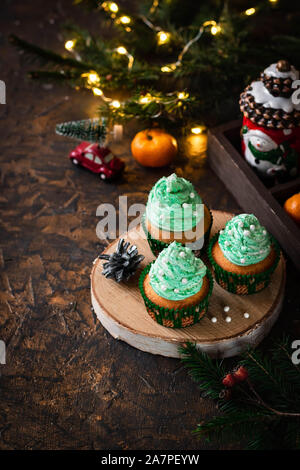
<point x="123" y="263"/>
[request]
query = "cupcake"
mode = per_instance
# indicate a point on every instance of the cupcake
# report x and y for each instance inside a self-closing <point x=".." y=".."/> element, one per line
<point x="243" y="255"/>
<point x="176" y="287"/>
<point x="176" y="212"/>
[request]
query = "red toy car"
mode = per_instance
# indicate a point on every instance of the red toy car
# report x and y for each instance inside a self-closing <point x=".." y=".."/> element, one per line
<point x="97" y="159"/>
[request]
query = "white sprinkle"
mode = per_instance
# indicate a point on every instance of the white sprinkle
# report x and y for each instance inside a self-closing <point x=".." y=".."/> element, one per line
<point x="176" y="291"/>
<point x="243" y="248"/>
<point x="252" y="227"/>
<point x="214" y="319"/>
<point x="192" y="195"/>
<point x="261" y="251"/>
<point x="229" y="232"/>
<point x="227" y="243"/>
<point x="226" y="308"/>
<point x="264" y="232"/>
<point x="246" y="315"/>
<point x="221" y="232"/>
<point x="241" y="224"/>
<point x="246" y="233"/>
<point x="164" y="288"/>
<point x="243" y="260"/>
<point x="168" y="190"/>
<point x="184" y="280"/>
<point x="228" y="319"/>
<point x="182" y="254"/>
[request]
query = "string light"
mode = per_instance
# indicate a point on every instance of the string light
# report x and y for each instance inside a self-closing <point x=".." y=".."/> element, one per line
<point x="168" y="68"/>
<point x="197" y="130"/>
<point x="162" y="37"/>
<point x="215" y="29"/>
<point x="250" y="11"/>
<point x="97" y="91"/>
<point x="182" y="95"/>
<point x="115" y="104"/>
<point x="69" y="45"/>
<point x="113" y="7"/>
<point x="125" y="20"/>
<point x="145" y="99"/>
<point x="121" y="50"/>
<point x="273" y="1"/>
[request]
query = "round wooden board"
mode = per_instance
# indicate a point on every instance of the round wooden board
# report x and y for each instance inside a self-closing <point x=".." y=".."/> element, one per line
<point x="121" y="310"/>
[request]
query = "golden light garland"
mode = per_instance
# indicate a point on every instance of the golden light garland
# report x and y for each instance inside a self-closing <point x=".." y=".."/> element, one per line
<point x="163" y="37"/>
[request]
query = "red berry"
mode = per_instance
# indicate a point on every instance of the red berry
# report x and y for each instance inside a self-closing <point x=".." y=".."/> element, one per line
<point x="229" y="380"/>
<point x="240" y="374"/>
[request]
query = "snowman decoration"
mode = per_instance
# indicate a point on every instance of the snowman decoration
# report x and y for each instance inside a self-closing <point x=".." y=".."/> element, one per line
<point x="271" y="123"/>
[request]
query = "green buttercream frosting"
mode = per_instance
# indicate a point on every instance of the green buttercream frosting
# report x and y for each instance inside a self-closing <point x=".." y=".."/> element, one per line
<point x="177" y="273"/>
<point x="244" y="241"/>
<point x="174" y="204"/>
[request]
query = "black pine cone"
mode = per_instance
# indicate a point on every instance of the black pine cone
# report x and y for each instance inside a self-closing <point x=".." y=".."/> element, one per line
<point x="123" y="263"/>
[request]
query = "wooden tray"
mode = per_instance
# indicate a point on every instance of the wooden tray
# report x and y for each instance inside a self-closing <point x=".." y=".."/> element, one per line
<point x="227" y="161"/>
<point x="121" y="310"/>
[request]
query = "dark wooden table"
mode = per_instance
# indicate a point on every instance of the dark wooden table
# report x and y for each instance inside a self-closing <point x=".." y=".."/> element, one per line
<point x="67" y="384"/>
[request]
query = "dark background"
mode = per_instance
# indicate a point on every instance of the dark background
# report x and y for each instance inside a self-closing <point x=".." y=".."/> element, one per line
<point x="67" y="384"/>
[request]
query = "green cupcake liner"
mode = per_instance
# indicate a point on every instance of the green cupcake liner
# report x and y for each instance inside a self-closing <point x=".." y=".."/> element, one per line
<point x="242" y="284"/>
<point x="175" y="318"/>
<point x="157" y="246"/>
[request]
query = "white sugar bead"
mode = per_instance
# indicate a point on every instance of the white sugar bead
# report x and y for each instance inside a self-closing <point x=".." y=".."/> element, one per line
<point x="264" y="232"/>
<point x="243" y="260"/>
<point x="252" y="227"/>
<point x="176" y="291"/>
<point x="243" y="248"/>
<point x="214" y="319"/>
<point x="226" y="308"/>
<point x="192" y="195"/>
<point x="164" y="288"/>
<point x="226" y="243"/>
<point x="168" y="190"/>
<point x="241" y="224"/>
<point x="261" y="251"/>
<point x="221" y="232"/>
<point x="246" y="315"/>
<point x="184" y="280"/>
<point x="228" y="319"/>
<point x="182" y="254"/>
<point x="246" y="233"/>
<point x="161" y="272"/>
<point x="229" y="232"/>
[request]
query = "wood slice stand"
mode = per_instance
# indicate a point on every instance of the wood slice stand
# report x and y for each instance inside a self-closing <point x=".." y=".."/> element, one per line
<point x="121" y="310"/>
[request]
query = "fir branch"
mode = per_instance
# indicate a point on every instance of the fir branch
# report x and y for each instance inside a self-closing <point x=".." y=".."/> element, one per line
<point x="207" y="373"/>
<point x="46" y="56"/>
<point x="262" y="408"/>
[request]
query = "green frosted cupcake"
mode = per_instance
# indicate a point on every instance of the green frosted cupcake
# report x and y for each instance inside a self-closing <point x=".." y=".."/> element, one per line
<point x="176" y="212"/>
<point x="176" y="287"/>
<point x="243" y="255"/>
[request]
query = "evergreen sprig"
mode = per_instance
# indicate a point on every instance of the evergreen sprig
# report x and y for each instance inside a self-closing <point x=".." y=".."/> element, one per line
<point x="262" y="412"/>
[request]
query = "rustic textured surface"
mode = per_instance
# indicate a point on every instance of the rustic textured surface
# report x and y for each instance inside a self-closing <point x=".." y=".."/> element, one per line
<point x="67" y="384"/>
